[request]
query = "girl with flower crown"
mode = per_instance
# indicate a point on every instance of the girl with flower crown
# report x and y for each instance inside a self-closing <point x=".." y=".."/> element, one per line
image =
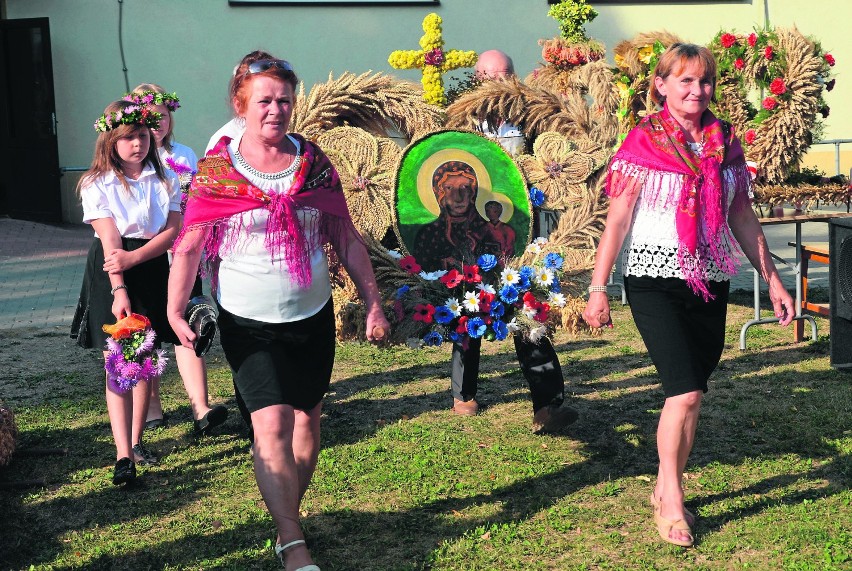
<point x="133" y="205"/>
<point x="182" y="160"/>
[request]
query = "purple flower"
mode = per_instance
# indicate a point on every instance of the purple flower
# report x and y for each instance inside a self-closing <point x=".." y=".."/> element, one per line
<point x="434" y="57"/>
<point x="433" y="339"/>
<point x="476" y="327"/>
<point x="443" y="315"/>
<point x="501" y="330"/>
<point x="536" y="196"/>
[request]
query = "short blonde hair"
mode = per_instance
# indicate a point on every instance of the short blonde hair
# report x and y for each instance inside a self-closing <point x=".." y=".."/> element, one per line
<point x="675" y="58"/>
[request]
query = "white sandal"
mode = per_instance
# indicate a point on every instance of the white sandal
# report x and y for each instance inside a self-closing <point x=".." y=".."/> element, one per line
<point x="280" y="549"/>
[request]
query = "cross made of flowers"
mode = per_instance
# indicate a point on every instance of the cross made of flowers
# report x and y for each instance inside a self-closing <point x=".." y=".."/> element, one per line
<point x="433" y="60"/>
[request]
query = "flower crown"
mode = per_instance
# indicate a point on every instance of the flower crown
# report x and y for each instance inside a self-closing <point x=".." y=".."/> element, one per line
<point x="140" y="114"/>
<point x="149" y="97"/>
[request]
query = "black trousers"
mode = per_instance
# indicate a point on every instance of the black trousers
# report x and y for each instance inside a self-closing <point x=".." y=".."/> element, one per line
<point x="538" y="361"/>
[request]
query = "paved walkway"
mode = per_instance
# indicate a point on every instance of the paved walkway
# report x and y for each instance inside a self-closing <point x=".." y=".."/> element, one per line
<point x="41" y="269"/>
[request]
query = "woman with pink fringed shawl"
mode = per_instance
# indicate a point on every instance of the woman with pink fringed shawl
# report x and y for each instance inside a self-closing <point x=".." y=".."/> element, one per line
<point x="260" y="210"/>
<point x="680" y="211"/>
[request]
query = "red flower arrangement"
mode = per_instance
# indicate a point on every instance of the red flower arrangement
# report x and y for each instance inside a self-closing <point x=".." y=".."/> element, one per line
<point x="778" y="86"/>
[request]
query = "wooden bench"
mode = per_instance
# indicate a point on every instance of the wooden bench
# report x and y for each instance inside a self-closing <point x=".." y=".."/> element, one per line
<point x="816" y="252"/>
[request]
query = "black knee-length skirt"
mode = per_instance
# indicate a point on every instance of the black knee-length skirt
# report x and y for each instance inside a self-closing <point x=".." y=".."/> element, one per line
<point x="684" y="334"/>
<point x="147" y="286"/>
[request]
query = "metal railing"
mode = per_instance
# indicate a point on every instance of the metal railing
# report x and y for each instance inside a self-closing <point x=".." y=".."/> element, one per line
<point x="836" y="143"/>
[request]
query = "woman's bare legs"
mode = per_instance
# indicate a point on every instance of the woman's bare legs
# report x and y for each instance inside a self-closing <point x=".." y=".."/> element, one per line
<point x="675" y="436"/>
<point x="286" y="445"/>
<point x="193" y="372"/>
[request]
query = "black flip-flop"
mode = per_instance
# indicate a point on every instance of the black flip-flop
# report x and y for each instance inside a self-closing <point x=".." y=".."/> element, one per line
<point x="214" y="417"/>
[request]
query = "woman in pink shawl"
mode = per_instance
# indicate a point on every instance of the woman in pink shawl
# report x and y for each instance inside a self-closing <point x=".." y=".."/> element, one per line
<point x="680" y="206"/>
<point x="260" y="209"/>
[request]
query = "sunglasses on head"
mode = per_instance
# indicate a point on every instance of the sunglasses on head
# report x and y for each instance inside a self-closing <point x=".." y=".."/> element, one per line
<point x="264" y="64"/>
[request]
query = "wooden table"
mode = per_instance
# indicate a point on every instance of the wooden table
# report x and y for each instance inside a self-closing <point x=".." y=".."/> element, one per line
<point x="798" y="218"/>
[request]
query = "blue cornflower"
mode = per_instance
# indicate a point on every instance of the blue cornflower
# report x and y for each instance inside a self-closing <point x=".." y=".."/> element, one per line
<point x="509" y="294"/>
<point x="501" y="330"/>
<point x="475" y="327"/>
<point x="443" y="315"/>
<point x="553" y="261"/>
<point x="556" y="287"/>
<point x="486" y="262"/>
<point x="497" y="309"/>
<point x="433" y="339"/>
<point x="536" y="196"/>
<point x="524" y="283"/>
<point x="454" y="337"/>
<point x="401" y="291"/>
<point x="526" y="271"/>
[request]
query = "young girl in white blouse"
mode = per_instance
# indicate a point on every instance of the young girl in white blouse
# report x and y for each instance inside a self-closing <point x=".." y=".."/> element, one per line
<point x="133" y="204"/>
<point x="182" y="161"/>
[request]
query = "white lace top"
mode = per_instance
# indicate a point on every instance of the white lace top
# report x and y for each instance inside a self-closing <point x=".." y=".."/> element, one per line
<point x="650" y="248"/>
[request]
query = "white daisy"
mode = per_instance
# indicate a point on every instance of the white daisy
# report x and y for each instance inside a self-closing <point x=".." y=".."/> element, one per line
<point x="544" y="277"/>
<point x="513" y="326"/>
<point x="432" y="276"/>
<point x="510" y="276"/>
<point x="537" y="333"/>
<point x="395" y="254"/>
<point x="471" y="301"/>
<point x="541" y="241"/>
<point x="487" y="288"/>
<point x="534" y="248"/>
<point x="529" y="311"/>
<point x="454" y="306"/>
<point x="556" y="299"/>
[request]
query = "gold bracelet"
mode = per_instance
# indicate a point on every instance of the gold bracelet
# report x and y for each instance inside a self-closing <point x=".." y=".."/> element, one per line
<point x="600" y="288"/>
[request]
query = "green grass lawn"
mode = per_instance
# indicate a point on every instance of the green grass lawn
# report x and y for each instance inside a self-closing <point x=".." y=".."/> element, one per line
<point x="403" y="484"/>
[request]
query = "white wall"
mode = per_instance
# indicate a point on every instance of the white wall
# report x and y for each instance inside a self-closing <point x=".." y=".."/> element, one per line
<point x="191" y="46"/>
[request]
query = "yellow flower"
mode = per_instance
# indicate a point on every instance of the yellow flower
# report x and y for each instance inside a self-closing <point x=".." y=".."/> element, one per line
<point x="646" y="53"/>
<point x="620" y="61"/>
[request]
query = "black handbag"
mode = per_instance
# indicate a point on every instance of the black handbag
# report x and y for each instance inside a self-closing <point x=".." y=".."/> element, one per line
<point x="201" y="314"/>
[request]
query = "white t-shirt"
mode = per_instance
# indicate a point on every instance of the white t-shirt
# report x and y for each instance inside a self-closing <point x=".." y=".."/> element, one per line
<point x="233" y="129"/>
<point x="508" y="135"/>
<point x="141" y="213"/>
<point x="181" y="154"/>
<point x="251" y="283"/>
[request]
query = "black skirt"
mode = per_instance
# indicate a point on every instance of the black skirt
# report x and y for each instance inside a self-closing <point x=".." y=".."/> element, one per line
<point x="147" y="287"/>
<point x="684" y="334"/>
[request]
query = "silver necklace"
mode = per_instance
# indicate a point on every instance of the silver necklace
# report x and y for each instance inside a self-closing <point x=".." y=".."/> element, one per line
<point x="267" y="175"/>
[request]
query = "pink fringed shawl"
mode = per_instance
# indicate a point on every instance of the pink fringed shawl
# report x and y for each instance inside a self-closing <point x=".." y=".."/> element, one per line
<point x="657" y="145"/>
<point x="219" y="192"/>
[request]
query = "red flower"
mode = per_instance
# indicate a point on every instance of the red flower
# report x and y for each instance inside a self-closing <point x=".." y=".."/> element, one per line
<point x="829" y="59"/>
<point x="471" y="274"/>
<point x="529" y="298"/>
<point x="451" y="279"/>
<point x="768" y="52"/>
<point x="728" y="40"/>
<point x="461" y="327"/>
<point x="777" y="86"/>
<point x="485" y="301"/>
<point x="541" y="312"/>
<point x="424" y="312"/>
<point x="769" y="103"/>
<point x="752" y="39"/>
<point x="410" y="265"/>
<point x="739" y="63"/>
<point x="750" y="136"/>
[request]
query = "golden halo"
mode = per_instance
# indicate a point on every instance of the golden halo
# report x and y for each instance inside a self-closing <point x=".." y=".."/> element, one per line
<point x="483" y="195"/>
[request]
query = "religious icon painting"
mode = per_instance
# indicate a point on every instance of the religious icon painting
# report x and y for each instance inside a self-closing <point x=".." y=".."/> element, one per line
<point x="460" y="195"/>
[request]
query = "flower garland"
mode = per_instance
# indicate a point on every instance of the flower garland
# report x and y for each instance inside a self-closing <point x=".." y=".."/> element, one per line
<point x="433" y="60"/>
<point x="648" y="55"/>
<point x="170" y="100"/>
<point x="140" y="114"/>
<point x="758" y="60"/>
<point x="130" y="353"/>
<point x="485" y="300"/>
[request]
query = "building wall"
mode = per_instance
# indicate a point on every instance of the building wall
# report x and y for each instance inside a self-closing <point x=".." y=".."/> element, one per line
<point x="191" y="47"/>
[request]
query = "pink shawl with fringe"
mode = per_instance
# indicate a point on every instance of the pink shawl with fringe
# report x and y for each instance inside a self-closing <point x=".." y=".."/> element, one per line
<point x="219" y="192"/>
<point x="658" y="145"/>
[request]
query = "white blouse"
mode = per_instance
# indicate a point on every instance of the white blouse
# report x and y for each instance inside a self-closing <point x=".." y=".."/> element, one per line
<point x="181" y="154"/>
<point x="140" y="213"/>
<point x="251" y="283"/>
<point x="650" y="248"/>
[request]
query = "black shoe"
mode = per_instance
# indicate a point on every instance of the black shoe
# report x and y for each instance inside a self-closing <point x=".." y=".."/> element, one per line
<point x="156" y="423"/>
<point x="144" y="457"/>
<point x="124" y="472"/>
<point x="214" y="417"/>
<point x="552" y="418"/>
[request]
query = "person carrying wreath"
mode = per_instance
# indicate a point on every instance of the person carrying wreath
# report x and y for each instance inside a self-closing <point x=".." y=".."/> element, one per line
<point x="680" y="205"/>
<point x="260" y="209"/>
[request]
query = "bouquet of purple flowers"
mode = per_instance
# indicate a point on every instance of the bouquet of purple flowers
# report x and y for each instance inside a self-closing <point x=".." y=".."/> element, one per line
<point x="131" y="356"/>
